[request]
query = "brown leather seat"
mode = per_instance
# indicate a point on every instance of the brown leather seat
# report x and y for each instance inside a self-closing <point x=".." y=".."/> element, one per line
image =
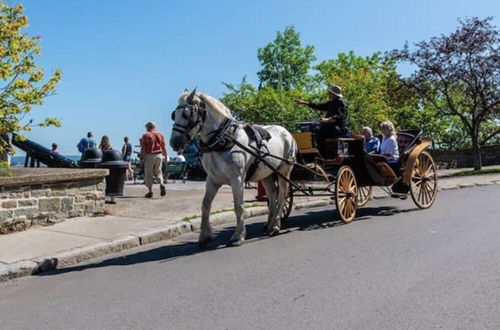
<point x="405" y="141"/>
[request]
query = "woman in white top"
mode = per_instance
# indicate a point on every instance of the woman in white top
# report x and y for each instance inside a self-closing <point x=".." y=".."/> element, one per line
<point x="389" y="145"/>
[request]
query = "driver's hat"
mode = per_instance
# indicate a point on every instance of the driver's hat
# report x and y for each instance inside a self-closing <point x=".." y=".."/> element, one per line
<point x="334" y="89"/>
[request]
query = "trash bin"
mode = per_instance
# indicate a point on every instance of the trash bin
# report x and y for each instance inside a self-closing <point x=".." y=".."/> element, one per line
<point x="112" y="160"/>
<point x="91" y="158"/>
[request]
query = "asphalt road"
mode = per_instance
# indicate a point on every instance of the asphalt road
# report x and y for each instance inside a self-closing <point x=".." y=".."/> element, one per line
<point x="395" y="267"/>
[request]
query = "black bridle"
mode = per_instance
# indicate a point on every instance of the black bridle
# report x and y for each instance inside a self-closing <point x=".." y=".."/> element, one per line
<point x="195" y="114"/>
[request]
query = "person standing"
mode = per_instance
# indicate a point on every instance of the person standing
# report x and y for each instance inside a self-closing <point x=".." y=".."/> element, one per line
<point x="335" y="124"/>
<point x="86" y="143"/>
<point x="372" y="143"/>
<point x="105" y="144"/>
<point x="153" y="154"/>
<point x="127" y="156"/>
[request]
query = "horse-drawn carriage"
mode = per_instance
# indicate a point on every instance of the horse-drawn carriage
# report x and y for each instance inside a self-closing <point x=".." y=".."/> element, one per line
<point x="290" y="165"/>
<point x="348" y="173"/>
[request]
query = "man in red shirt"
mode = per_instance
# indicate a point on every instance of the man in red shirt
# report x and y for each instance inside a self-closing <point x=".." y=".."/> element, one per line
<point x="153" y="154"/>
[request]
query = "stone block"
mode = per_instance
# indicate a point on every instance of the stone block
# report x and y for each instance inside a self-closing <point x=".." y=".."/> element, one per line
<point x="27" y="212"/>
<point x="72" y="192"/>
<point x="40" y="193"/>
<point x="49" y="204"/>
<point x="58" y="191"/>
<point x="67" y="204"/>
<point x="88" y="185"/>
<point x="27" y="202"/>
<point x="75" y="213"/>
<point x="56" y="217"/>
<point x="101" y="186"/>
<point x="10" y="204"/>
<point x="15" y="194"/>
<point x="94" y="196"/>
<point x="40" y="219"/>
<point x="20" y="224"/>
<point x="5" y="215"/>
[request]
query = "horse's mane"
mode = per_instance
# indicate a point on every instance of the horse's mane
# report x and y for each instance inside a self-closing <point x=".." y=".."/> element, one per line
<point x="215" y="105"/>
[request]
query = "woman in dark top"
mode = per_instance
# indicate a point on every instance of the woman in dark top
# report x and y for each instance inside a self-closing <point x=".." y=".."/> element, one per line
<point x="335" y="124"/>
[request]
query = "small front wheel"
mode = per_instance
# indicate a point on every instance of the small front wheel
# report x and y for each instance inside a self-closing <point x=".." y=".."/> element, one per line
<point x="346" y="191"/>
<point x="364" y="195"/>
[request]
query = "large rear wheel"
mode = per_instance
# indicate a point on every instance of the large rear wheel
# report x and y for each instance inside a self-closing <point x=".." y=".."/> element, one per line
<point x="346" y="191"/>
<point x="423" y="185"/>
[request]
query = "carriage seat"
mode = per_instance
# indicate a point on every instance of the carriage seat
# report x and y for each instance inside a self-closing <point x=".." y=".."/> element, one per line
<point x="405" y="141"/>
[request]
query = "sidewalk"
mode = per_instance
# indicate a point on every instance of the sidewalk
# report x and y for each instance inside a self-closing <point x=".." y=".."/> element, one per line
<point x="136" y="221"/>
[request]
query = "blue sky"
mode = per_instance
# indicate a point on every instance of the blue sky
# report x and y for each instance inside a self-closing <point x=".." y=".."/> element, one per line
<point x="126" y="62"/>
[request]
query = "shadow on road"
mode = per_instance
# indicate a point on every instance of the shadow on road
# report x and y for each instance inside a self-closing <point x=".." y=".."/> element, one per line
<point x="312" y="220"/>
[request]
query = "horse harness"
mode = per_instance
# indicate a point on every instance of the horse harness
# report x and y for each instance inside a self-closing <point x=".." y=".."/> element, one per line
<point x="222" y="139"/>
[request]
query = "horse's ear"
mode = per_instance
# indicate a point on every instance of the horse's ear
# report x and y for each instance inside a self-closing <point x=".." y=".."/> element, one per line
<point x="191" y="96"/>
<point x="186" y="91"/>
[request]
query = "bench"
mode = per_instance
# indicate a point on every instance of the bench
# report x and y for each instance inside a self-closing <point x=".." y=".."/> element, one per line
<point x="175" y="170"/>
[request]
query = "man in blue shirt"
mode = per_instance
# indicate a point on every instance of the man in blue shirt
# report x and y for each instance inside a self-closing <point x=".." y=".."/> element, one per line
<point x="86" y="143"/>
<point x="372" y="143"/>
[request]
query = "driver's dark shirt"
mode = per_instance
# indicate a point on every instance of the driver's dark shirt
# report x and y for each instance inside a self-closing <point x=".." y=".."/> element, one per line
<point x="336" y="109"/>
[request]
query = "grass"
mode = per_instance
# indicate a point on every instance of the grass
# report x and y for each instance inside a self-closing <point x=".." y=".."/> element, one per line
<point x="246" y="206"/>
<point x="475" y="172"/>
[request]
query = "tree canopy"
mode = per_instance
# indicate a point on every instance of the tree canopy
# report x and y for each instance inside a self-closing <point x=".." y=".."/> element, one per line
<point x="24" y="82"/>
<point x="459" y="76"/>
<point x="285" y="62"/>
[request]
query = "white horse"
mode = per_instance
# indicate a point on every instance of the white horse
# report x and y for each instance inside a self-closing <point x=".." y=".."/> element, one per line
<point x="225" y="162"/>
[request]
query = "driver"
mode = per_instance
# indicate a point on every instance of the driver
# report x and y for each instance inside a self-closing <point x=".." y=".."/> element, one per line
<point x="335" y="124"/>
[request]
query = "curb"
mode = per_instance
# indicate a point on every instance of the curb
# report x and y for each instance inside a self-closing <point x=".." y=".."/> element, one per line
<point x="77" y="255"/>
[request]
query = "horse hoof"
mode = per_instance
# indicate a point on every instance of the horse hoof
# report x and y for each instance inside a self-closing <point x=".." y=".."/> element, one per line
<point x="204" y="242"/>
<point x="273" y="231"/>
<point x="235" y="243"/>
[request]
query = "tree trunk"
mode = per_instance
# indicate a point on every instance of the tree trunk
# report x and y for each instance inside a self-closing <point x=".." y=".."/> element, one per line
<point x="476" y="151"/>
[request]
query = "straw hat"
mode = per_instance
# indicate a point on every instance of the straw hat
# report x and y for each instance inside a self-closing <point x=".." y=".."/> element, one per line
<point x="334" y="89"/>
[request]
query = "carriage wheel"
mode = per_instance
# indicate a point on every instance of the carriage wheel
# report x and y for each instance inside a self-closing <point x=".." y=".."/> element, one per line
<point x="364" y="195"/>
<point x="320" y="171"/>
<point x="287" y="208"/>
<point x="346" y="194"/>
<point x="423" y="185"/>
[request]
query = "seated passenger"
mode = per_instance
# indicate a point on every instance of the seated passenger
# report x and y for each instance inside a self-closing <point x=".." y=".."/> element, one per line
<point x="389" y="146"/>
<point x="372" y="143"/>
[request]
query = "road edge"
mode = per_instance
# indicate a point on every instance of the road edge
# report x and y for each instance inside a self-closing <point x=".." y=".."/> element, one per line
<point x="77" y="255"/>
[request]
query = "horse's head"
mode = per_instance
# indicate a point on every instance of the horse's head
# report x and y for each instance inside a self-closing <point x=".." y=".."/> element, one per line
<point x="188" y="118"/>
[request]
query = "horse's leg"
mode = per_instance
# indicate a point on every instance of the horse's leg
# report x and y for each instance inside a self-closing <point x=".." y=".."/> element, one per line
<point x="238" y="188"/>
<point x="206" y="235"/>
<point x="272" y="195"/>
<point x="274" y="223"/>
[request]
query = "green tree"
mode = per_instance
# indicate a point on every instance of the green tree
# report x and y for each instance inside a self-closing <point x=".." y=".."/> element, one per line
<point x="285" y="62"/>
<point x="459" y="75"/>
<point x="24" y="83"/>
<point x="373" y="90"/>
<point x="266" y="105"/>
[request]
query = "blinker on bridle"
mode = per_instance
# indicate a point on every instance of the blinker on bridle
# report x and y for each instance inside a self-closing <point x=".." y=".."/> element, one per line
<point x="188" y="113"/>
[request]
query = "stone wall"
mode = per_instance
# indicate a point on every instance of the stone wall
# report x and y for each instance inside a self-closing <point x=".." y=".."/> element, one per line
<point x="463" y="158"/>
<point x="35" y="200"/>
